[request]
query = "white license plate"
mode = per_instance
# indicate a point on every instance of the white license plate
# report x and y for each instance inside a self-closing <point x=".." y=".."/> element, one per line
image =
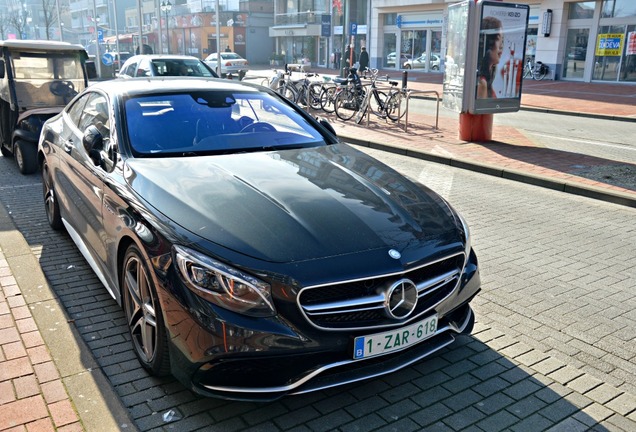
<point x="394" y="340"/>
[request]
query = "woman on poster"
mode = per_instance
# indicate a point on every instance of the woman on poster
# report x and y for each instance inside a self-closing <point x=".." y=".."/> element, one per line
<point x="491" y="50"/>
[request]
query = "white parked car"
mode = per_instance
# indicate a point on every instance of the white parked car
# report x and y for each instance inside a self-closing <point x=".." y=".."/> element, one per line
<point x="420" y="62"/>
<point x="231" y="63"/>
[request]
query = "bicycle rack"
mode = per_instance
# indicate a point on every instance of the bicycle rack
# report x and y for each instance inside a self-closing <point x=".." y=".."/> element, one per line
<point x="410" y="92"/>
<point x="408" y="98"/>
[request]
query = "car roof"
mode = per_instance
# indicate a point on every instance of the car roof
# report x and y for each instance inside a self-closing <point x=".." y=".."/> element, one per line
<point x="122" y="87"/>
<point x="164" y="57"/>
<point x="41" y="45"/>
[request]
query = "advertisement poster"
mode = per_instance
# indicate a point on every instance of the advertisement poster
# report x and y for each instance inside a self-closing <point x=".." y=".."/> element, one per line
<point x="631" y="43"/>
<point x="608" y="45"/>
<point x="500" y="54"/>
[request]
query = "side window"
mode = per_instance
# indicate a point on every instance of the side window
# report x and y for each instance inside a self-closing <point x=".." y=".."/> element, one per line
<point x="75" y="111"/>
<point x="143" y="70"/>
<point x="130" y="69"/>
<point x="96" y="113"/>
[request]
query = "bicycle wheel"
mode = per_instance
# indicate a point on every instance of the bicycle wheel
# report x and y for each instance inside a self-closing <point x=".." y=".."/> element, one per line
<point x="313" y="94"/>
<point x="378" y="103"/>
<point x="288" y="91"/>
<point x="346" y="104"/>
<point x="327" y="98"/>
<point x="395" y="105"/>
<point x="539" y="73"/>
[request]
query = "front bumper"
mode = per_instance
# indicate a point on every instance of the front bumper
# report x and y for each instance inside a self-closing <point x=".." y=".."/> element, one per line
<point x="221" y="358"/>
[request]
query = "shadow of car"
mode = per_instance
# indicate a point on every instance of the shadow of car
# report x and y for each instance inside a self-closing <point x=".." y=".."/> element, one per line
<point x="151" y="65"/>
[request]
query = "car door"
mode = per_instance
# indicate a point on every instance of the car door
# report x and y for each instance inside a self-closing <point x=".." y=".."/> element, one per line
<point x="83" y="181"/>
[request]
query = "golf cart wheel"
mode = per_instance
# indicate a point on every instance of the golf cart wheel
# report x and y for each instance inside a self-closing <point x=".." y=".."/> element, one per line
<point x="5" y="151"/>
<point x="26" y="157"/>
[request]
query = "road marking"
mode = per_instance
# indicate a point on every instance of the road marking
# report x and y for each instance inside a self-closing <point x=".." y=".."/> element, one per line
<point x="581" y="141"/>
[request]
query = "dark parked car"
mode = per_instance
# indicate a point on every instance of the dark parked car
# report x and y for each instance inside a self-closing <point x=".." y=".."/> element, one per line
<point x="253" y="253"/>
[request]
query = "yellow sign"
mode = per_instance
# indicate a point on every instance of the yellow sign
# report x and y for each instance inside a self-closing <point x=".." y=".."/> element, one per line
<point x="609" y="44"/>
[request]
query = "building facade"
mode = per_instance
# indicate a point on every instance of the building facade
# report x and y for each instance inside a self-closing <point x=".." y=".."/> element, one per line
<point x="586" y="40"/>
<point x="593" y="40"/>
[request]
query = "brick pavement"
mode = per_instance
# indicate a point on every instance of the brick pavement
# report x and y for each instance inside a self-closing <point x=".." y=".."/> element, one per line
<point x="35" y="381"/>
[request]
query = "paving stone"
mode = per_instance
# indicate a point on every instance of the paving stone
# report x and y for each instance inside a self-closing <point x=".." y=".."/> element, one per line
<point x="584" y="383"/>
<point x="498" y="421"/>
<point x="623" y="404"/>
<point x="603" y="393"/>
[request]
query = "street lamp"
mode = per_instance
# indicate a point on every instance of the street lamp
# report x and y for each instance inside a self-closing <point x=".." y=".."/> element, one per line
<point x="166" y="6"/>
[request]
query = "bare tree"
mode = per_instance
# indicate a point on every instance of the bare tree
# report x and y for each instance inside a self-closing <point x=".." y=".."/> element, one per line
<point x="49" y="15"/>
<point x="17" y="20"/>
<point x="4" y="26"/>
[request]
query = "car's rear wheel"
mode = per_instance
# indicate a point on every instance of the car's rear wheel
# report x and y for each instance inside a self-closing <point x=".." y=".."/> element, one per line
<point x="26" y="157"/>
<point x="143" y="314"/>
<point x="51" y="205"/>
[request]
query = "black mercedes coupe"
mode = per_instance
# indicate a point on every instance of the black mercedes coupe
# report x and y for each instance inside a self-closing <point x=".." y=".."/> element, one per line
<point x="254" y="254"/>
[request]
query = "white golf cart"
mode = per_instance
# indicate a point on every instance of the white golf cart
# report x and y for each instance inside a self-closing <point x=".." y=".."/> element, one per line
<point x="37" y="80"/>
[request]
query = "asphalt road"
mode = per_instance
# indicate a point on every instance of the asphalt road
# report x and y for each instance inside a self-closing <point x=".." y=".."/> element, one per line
<point x="553" y="344"/>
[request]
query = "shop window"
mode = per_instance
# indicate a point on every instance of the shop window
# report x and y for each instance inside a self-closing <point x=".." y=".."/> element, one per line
<point x="581" y="10"/>
<point x="618" y="8"/>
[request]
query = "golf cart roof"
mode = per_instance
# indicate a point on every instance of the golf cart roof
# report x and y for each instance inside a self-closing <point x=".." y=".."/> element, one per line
<point x="41" y="45"/>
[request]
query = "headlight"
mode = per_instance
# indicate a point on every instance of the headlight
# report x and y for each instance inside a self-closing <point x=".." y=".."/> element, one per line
<point x="224" y="285"/>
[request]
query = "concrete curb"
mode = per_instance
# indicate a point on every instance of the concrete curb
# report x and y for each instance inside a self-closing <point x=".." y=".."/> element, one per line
<point x="593" y="192"/>
<point x="93" y="397"/>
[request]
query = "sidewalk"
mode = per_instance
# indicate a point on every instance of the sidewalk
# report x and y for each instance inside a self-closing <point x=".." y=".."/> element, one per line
<point x="511" y="154"/>
<point x="48" y="378"/>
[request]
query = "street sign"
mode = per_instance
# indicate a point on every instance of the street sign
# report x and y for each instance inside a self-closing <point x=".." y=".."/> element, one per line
<point x="100" y="35"/>
<point x="107" y="59"/>
<point x="353" y="29"/>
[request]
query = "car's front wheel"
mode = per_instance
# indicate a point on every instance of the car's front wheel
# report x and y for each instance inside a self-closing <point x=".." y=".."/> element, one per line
<point x="143" y="314"/>
<point x="51" y="205"/>
<point x="26" y="157"/>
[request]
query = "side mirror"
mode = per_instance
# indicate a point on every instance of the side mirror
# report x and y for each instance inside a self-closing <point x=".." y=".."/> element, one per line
<point x="1" y="69"/>
<point x="93" y="143"/>
<point x="327" y="126"/>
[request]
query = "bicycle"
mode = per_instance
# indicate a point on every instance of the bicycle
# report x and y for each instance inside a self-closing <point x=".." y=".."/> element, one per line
<point x="390" y="105"/>
<point x="538" y="71"/>
<point x="348" y="101"/>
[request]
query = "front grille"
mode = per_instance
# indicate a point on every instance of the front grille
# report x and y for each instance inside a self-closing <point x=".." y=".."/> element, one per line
<point x="360" y="304"/>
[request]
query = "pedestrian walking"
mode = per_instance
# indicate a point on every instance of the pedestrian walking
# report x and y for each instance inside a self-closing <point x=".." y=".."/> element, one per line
<point x="364" y="59"/>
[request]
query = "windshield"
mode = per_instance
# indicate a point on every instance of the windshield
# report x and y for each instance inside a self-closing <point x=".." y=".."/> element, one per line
<point x="214" y="122"/>
<point x="50" y="79"/>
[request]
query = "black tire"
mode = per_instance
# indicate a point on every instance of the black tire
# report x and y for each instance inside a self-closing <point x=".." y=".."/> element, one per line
<point x="346" y="104"/>
<point x="328" y="98"/>
<point x="539" y="73"/>
<point x="396" y="106"/>
<point x="143" y="314"/>
<point x="26" y="156"/>
<point x="289" y="92"/>
<point x="377" y="108"/>
<point x="51" y="205"/>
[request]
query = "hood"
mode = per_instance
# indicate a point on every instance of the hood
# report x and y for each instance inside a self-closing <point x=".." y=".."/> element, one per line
<point x="293" y="205"/>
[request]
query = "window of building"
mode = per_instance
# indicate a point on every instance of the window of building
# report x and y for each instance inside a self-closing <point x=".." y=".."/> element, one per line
<point x="390" y="19"/>
<point x="581" y="10"/>
<point x="618" y="8"/>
